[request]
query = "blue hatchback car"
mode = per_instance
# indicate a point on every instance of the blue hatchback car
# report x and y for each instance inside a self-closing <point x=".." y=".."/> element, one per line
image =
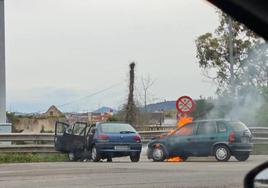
<point x="115" y="140"/>
<point x="98" y="141"/>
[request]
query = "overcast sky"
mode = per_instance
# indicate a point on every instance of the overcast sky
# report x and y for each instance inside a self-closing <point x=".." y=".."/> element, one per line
<point x="58" y="51"/>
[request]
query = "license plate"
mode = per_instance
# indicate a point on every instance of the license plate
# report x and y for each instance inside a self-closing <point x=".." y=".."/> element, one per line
<point x="121" y="147"/>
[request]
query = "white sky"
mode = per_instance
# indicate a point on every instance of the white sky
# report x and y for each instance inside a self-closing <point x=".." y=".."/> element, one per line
<point x="61" y="50"/>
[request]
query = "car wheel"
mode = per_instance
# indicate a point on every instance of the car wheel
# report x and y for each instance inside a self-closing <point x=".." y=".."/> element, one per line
<point x="95" y="156"/>
<point x="158" y="154"/>
<point x="109" y="159"/>
<point x="135" y="157"/>
<point x="242" y="156"/>
<point x="184" y="158"/>
<point x="222" y="153"/>
<point x="72" y="156"/>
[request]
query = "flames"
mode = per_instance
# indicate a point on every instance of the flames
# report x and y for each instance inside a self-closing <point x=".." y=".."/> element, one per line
<point x="175" y="159"/>
<point x="182" y="121"/>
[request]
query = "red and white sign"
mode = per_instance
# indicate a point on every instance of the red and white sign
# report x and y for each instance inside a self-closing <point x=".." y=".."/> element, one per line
<point x="185" y="104"/>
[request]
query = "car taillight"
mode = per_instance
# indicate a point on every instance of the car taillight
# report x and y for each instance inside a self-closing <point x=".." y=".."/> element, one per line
<point x="103" y="137"/>
<point x="137" y="138"/>
<point x="231" y="137"/>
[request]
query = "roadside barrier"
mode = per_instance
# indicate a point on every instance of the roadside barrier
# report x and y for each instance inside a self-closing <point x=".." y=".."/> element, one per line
<point x="44" y="142"/>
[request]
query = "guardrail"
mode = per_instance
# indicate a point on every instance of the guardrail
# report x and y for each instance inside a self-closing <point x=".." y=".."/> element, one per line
<point x="43" y="142"/>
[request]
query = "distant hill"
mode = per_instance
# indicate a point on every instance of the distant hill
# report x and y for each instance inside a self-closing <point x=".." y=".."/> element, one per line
<point x="166" y="106"/>
<point x="104" y="109"/>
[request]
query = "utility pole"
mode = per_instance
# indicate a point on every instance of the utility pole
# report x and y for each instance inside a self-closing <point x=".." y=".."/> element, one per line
<point x="2" y="65"/>
<point x="231" y="55"/>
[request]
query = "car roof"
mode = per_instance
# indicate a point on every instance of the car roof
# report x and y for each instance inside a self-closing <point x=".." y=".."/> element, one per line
<point x="218" y="120"/>
<point x="111" y="122"/>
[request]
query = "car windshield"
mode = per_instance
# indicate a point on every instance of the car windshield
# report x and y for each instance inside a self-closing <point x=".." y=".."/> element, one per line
<point x="117" y="128"/>
<point x="185" y="131"/>
<point x="238" y="126"/>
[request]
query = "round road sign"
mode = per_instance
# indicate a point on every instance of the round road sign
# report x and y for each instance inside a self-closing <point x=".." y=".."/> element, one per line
<point x="185" y="104"/>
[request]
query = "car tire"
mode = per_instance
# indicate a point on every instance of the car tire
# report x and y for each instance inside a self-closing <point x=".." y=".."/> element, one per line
<point x="72" y="156"/>
<point x="222" y="153"/>
<point x="184" y="158"/>
<point x="109" y="159"/>
<point x="158" y="154"/>
<point x="95" y="156"/>
<point x="242" y="156"/>
<point x="135" y="157"/>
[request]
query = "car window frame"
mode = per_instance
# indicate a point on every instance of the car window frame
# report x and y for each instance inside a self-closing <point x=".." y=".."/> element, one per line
<point x="90" y="128"/>
<point x="82" y="132"/>
<point x="218" y="129"/>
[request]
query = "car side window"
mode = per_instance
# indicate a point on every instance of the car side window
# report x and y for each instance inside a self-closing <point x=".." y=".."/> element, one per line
<point x="205" y="128"/>
<point x="61" y="128"/>
<point x="222" y="127"/>
<point x="79" y="129"/>
<point x="187" y="130"/>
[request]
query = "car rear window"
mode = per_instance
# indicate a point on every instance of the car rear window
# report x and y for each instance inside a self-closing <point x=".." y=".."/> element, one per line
<point x="238" y="126"/>
<point x="117" y="128"/>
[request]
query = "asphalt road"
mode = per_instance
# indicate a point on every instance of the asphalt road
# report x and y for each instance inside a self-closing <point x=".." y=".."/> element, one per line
<point x="196" y="172"/>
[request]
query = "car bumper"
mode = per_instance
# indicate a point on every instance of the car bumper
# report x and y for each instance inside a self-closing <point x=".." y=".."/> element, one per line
<point x="110" y="148"/>
<point x="239" y="147"/>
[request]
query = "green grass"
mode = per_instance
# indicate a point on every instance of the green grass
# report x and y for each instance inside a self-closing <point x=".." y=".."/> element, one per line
<point x="32" y="157"/>
<point x="260" y="149"/>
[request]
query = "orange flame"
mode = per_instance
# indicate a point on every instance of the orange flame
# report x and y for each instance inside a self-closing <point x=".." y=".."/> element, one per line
<point x="184" y="120"/>
<point x="175" y="159"/>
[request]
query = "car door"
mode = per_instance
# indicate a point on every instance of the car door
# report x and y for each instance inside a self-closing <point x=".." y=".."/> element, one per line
<point x="62" y="132"/>
<point x="206" y="136"/>
<point x="78" y="137"/>
<point x="181" y="141"/>
<point x="69" y="138"/>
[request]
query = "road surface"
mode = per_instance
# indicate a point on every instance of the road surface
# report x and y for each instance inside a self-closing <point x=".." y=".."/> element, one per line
<point x="196" y="172"/>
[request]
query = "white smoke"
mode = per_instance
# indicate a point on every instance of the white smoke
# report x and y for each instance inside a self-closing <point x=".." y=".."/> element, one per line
<point x="246" y="102"/>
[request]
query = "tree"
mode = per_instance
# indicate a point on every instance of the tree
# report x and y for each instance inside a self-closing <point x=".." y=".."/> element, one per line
<point x="225" y="56"/>
<point x="131" y="109"/>
<point x="147" y="83"/>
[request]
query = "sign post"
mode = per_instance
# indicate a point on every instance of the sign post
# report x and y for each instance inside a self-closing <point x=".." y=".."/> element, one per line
<point x="184" y="105"/>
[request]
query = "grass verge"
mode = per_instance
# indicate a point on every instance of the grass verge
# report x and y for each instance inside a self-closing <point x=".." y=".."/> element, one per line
<point x="260" y="149"/>
<point x="32" y="157"/>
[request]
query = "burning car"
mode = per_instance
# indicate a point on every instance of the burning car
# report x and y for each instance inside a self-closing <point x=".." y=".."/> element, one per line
<point x="219" y="138"/>
<point x="98" y="141"/>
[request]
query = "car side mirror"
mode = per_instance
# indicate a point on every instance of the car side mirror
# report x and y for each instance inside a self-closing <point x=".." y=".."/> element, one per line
<point x="258" y="177"/>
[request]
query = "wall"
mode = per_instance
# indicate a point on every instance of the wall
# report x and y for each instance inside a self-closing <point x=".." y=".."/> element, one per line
<point x="34" y="124"/>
